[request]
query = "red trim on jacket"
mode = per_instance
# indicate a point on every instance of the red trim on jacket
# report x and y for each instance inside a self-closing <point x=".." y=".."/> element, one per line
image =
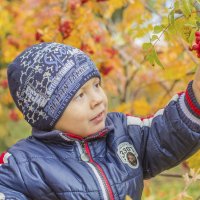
<point x="101" y="171"/>
<point x="191" y="104"/>
<point x="99" y="134"/>
<point x="2" y="157"/>
<point x="74" y="136"/>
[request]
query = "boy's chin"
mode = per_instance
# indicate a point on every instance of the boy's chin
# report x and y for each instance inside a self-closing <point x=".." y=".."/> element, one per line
<point x="95" y="131"/>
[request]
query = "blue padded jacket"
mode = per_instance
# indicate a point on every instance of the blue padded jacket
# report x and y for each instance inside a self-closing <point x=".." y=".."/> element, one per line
<point x="105" y="166"/>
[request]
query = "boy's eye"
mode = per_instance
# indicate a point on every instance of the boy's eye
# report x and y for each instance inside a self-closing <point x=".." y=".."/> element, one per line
<point x="79" y="96"/>
<point x="97" y="84"/>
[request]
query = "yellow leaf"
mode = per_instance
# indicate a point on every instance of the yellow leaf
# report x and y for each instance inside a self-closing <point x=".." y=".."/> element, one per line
<point x="146" y="191"/>
<point x="194" y="161"/>
<point x="133" y="10"/>
<point x="184" y="196"/>
<point x="3" y="73"/>
<point x="113" y="5"/>
<point x="3" y="131"/>
<point x="5" y="20"/>
<point x="19" y="114"/>
<point x="132" y="15"/>
<point x="1" y="110"/>
<point x="8" y="52"/>
<point x="141" y="107"/>
<point x="125" y="108"/>
<point x="128" y="198"/>
<point x="6" y="98"/>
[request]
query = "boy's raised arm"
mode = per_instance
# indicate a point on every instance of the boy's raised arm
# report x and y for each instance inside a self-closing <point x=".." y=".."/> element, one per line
<point x="196" y="85"/>
<point x="172" y="134"/>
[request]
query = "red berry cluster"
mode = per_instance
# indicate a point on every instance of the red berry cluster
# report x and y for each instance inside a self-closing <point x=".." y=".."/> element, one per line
<point x="13" y="41"/>
<point x="14" y="116"/>
<point x="110" y="52"/>
<point x="38" y="36"/>
<point x="84" y="1"/>
<point x="196" y="47"/>
<point x="74" y="4"/>
<point x="86" y="48"/>
<point x="65" y="28"/>
<point x="4" y="83"/>
<point x="105" y="69"/>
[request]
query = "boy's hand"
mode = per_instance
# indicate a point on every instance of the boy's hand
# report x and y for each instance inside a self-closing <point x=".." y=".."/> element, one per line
<point x="196" y="82"/>
<point x="196" y="85"/>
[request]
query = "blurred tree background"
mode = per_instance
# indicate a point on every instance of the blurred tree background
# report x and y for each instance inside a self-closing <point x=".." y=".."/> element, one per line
<point x="140" y="47"/>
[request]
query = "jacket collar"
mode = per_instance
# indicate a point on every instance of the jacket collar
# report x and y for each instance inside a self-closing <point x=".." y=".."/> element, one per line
<point x="73" y="137"/>
<point x="58" y="136"/>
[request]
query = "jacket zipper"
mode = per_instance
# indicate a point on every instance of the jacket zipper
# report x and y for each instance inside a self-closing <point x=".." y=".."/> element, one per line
<point x="98" y="171"/>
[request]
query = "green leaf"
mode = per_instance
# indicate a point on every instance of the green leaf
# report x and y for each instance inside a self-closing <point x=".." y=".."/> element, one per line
<point x="157" y="29"/>
<point x="197" y="23"/>
<point x="186" y="7"/>
<point x="192" y="36"/>
<point x="150" y="58"/>
<point x="156" y="59"/>
<point x="147" y="46"/>
<point x="117" y="16"/>
<point x="190" y="25"/>
<point x="154" y="37"/>
<point x="171" y="18"/>
<point x="170" y="31"/>
<point x="177" y="7"/>
<point x="197" y="6"/>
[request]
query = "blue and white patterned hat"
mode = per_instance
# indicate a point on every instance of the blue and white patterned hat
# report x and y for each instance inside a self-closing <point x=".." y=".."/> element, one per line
<point x="44" y="78"/>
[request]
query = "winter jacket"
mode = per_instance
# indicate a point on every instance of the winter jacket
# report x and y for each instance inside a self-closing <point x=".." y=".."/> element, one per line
<point x="107" y="165"/>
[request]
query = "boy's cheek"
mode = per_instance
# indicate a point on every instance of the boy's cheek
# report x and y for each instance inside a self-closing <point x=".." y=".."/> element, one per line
<point x="105" y="100"/>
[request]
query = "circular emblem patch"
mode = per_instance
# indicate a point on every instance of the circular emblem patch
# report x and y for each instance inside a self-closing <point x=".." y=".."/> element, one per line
<point x="2" y="196"/>
<point x="128" y="154"/>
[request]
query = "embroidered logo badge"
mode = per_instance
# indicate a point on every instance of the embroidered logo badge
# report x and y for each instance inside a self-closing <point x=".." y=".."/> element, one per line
<point x="2" y="196"/>
<point x="128" y="155"/>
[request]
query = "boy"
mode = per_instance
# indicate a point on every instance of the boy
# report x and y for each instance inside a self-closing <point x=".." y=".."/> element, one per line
<point x="78" y="151"/>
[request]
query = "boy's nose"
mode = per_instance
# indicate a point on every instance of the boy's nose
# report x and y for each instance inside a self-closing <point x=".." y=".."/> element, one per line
<point x="96" y="99"/>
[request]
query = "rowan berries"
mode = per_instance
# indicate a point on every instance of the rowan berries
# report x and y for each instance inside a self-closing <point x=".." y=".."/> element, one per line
<point x="65" y="28"/>
<point x="196" y="47"/>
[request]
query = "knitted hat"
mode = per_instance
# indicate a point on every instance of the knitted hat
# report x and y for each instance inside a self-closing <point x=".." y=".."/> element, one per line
<point x="44" y="78"/>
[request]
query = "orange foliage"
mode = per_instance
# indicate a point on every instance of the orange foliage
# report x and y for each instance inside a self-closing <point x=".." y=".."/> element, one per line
<point x="112" y="33"/>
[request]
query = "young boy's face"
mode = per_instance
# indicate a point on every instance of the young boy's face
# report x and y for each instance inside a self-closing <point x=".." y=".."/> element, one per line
<point x="86" y="112"/>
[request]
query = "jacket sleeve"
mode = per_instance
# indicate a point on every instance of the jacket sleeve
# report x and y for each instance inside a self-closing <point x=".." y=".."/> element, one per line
<point x="170" y="136"/>
<point x="11" y="182"/>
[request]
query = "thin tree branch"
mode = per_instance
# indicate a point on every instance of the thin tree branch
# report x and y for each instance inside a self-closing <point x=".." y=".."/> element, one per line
<point x="64" y="5"/>
<point x="175" y="176"/>
<point x="190" y="54"/>
<point x="128" y="82"/>
<point x="197" y="7"/>
<point x="168" y="91"/>
<point x="151" y="10"/>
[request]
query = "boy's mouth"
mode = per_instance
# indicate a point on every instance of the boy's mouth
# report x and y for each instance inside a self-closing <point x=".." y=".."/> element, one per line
<point x="98" y="118"/>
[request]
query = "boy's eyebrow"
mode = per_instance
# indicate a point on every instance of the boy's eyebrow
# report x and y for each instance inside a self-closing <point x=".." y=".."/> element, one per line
<point x="84" y="86"/>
